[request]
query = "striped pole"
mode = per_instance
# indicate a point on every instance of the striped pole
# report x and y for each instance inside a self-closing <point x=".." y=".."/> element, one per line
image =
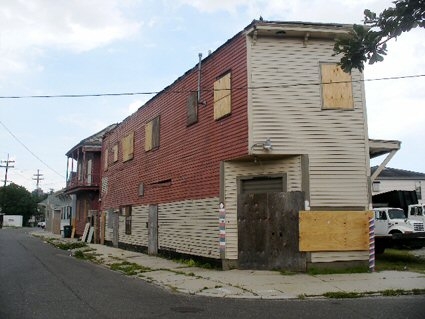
<point x="222" y="230"/>
<point x="371" y="245"/>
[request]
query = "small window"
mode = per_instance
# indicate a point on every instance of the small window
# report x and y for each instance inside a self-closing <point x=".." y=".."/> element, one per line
<point x="337" y="91"/>
<point x="128" y="147"/>
<point x="152" y="134"/>
<point x="376" y="186"/>
<point x="222" y="96"/>
<point x="263" y="184"/>
<point x="126" y="212"/>
<point x="380" y="215"/>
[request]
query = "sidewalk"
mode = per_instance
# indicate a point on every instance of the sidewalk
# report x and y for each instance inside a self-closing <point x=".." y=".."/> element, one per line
<point x="252" y="283"/>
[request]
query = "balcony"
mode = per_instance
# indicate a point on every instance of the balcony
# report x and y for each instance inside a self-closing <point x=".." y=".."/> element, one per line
<point x="77" y="183"/>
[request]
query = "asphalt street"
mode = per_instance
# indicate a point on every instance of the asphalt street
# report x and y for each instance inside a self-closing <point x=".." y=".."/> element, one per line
<point x="38" y="280"/>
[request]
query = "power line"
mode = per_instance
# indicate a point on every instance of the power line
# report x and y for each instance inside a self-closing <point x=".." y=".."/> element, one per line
<point x="205" y="90"/>
<point x="31" y="152"/>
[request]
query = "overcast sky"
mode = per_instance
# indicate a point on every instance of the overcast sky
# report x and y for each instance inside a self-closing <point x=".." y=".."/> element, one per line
<point x="53" y="47"/>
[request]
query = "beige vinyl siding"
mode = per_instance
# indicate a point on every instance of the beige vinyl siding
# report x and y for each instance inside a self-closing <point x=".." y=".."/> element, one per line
<point x="190" y="227"/>
<point x="288" y="110"/>
<point x="232" y="170"/>
<point x="139" y="232"/>
<point x="335" y="256"/>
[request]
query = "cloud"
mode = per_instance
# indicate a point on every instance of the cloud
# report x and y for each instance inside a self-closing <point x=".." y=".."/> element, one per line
<point x="292" y="10"/>
<point x="27" y="28"/>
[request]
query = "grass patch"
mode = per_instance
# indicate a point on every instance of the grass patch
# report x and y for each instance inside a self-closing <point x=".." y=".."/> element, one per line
<point x="329" y="271"/>
<point x="395" y="259"/>
<point x="418" y="291"/>
<point x="129" y="269"/>
<point x="394" y="292"/>
<point x="67" y="245"/>
<point x="194" y="263"/>
<point x="342" y="295"/>
<point x="85" y="255"/>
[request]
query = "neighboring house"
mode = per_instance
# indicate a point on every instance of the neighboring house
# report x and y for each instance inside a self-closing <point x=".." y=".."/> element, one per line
<point x="203" y="171"/>
<point x="398" y="179"/>
<point x="58" y="211"/>
<point x="83" y="179"/>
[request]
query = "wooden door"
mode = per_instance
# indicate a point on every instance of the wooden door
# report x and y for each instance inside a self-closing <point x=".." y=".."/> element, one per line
<point x="268" y="231"/>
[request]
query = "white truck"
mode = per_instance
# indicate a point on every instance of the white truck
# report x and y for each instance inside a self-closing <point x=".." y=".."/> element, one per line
<point x="393" y="229"/>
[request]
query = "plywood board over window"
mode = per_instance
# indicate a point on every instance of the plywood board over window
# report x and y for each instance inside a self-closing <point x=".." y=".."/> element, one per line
<point x="105" y="159"/>
<point x="128" y="147"/>
<point x="222" y="96"/>
<point x="337" y="91"/>
<point x="115" y="152"/>
<point x="152" y="134"/>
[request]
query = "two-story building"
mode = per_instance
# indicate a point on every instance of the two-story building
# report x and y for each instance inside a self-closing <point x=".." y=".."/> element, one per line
<point x="83" y="179"/>
<point x="221" y="163"/>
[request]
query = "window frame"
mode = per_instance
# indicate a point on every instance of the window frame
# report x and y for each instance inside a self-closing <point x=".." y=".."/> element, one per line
<point x="152" y="134"/>
<point x="126" y="212"/>
<point x="338" y="95"/>
<point x="223" y="95"/>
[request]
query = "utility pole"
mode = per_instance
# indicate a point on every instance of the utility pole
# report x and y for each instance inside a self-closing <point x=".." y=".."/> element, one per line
<point x="6" y="164"/>
<point x="38" y="178"/>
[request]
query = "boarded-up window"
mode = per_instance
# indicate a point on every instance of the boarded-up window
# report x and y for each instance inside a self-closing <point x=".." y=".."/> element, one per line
<point x="337" y="91"/>
<point x="152" y="134"/>
<point x="127" y="147"/>
<point x="222" y="96"/>
<point x="126" y="212"/>
<point x="192" y="108"/>
<point x="263" y="184"/>
<point x="115" y="152"/>
<point x="105" y="160"/>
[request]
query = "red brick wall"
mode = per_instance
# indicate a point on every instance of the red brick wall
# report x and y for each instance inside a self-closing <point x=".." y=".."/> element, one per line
<point x="188" y="156"/>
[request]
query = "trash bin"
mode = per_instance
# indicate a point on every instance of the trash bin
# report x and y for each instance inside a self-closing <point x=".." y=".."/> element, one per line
<point x="67" y="231"/>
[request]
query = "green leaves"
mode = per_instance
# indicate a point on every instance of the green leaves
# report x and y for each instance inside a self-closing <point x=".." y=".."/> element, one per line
<point x="369" y="42"/>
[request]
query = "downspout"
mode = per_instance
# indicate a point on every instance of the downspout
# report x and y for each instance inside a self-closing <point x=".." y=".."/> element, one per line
<point x="199" y="77"/>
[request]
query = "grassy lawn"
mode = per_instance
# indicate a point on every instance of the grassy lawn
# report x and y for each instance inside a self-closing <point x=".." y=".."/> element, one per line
<point x="392" y="259"/>
<point x="395" y="259"/>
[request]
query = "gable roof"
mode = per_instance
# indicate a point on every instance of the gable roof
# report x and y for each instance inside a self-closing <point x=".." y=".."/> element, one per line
<point x="394" y="173"/>
<point x="56" y="200"/>
<point x="93" y="140"/>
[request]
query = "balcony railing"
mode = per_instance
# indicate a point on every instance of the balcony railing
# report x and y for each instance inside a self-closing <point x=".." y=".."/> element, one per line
<point x="75" y="181"/>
